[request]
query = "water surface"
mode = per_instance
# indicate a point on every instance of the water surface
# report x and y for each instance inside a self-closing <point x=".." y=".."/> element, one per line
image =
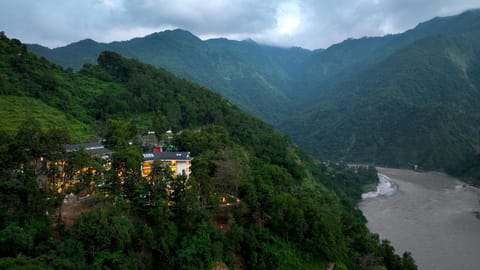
<point x="434" y="216"/>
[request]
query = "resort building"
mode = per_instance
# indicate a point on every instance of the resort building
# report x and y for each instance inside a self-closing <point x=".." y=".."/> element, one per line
<point x="94" y="149"/>
<point x="179" y="162"/>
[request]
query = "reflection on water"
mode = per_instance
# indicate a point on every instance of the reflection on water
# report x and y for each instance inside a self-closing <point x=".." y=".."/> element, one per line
<point x="434" y="216"/>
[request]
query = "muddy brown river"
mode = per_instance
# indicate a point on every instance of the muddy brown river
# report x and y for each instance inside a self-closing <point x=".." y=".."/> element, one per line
<point x="434" y="216"/>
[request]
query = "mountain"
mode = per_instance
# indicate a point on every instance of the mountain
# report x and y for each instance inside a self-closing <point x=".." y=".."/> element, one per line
<point x="417" y="106"/>
<point x="320" y="97"/>
<point x="254" y="76"/>
<point x="284" y="210"/>
<point x="327" y="68"/>
<point x="269" y="82"/>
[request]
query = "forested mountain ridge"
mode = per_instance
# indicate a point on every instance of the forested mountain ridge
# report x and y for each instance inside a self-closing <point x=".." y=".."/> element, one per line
<point x="255" y="77"/>
<point x="340" y="62"/>
<point x="306" y="93"/>
<point x="418" y="106"/>
<point x="269" y="82"/>
<point x="293" y="214"/>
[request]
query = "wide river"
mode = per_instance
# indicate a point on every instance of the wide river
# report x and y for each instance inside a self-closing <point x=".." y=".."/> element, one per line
<point x="434" y="216"/>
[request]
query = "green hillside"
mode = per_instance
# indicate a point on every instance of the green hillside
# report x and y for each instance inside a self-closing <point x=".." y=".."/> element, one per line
<point x="15" y="110"/>
<point x="256" y="77"/>
<point x="292" y="213"/>
<point x="341" y="62"/>
<point x="388" y="100"/>
<point x="418" y="106"/>
<point x="270" y="82"/>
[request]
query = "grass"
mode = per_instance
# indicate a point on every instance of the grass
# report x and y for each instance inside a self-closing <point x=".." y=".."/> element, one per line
<point x="14" y="110"/>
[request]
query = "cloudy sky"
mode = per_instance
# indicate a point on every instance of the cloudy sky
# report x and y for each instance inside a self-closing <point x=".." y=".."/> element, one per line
<point x="306" y="23"/>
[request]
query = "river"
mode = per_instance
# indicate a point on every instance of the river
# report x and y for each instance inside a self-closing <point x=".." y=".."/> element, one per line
<point x="432" y="215"/>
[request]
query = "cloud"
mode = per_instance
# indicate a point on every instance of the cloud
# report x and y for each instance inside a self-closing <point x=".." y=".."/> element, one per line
<point x="306" y="23"/>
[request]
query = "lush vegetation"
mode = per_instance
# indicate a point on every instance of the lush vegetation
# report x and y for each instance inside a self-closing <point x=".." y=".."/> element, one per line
<point x="292" y="213"/>
<point x="15" y="109"/>
<point x="389" y="100"/>
<point x="254" y="76"/>
<point x="412" y="101"/>
<point x="418" y="106"/>
<point x="262" y="79"/>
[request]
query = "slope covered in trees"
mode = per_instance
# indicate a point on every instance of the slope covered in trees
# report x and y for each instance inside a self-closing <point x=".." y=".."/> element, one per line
<point x="269" y="82"/>
<point x="418" y="106"/>
<point x="16" y="109"/>
<point x="255" y="77"/>
<point x="391" y="100"/>
<point x="293" y="214"/>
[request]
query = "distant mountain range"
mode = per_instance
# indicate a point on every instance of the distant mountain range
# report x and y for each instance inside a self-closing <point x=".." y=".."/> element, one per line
<point x="419" y="105"/>
<point x="284" y="211"/>
<point x="256" y="77"/>
<point x="401" y="99"/>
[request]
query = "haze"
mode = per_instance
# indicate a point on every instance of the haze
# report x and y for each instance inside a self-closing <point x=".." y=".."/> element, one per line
<point x="308" y="23"/>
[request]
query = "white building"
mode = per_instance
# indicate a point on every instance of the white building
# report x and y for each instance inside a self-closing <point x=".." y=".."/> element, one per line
<point x="179" y="162"/>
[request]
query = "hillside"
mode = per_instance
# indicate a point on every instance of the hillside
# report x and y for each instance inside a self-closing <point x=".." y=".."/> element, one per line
<point x="292" y="213"/>
<point x="269" y="82"/>
<point x="16" y="110"/>
<point x="418" y="106"/>
<point x="256" y="77"/>
<point x="362" y="100"/>
<point x="341" y="62"/>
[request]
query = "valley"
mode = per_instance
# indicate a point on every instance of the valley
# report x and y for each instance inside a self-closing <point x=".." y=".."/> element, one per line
<point x="247" y="198"/>
<point x="265" y="132"/>
<point x="387" y="101"/>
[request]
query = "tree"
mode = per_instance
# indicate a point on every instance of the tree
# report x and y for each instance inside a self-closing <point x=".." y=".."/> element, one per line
<point x="160" y="125"/>
<point x="114" y="64"/>
<point x="82" y="165"/>
<point x="199" y="250"/>
<point x="102" y="231"/>
<point x="127" y="166"/>
<point x="14" y="241"/>
<point x="392" y="261"/>
<point x="408" y="263"/>
<point x="7" y="156"/>
<point x="69" y="254"/>
<point x="53" y="141"/>
<point x="29" y="141"/>
<point x="229" y="171"/>
<point x="113" y="260"/>
<point x="159" y="180"/>
<point x="22" y="263"/>
<point x="119" y="133"/>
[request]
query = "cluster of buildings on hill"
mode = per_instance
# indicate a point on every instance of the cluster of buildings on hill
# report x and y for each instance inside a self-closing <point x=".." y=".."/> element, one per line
<point x="178" y="162"/>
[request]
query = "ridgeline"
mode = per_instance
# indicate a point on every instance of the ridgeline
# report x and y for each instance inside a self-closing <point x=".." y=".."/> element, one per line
<point x="396" y="100"/>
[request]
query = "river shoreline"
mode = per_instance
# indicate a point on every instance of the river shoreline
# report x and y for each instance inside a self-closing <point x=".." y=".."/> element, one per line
<point x="432" y="215"/>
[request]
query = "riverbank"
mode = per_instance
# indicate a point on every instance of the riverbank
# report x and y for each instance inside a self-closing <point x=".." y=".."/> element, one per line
<point x="432" y="215"/>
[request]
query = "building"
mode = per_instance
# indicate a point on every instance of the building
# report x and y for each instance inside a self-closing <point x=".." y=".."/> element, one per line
<point x="93" y="148"/>
<point x="63" y="176"/>
<point x="179" y="162"/>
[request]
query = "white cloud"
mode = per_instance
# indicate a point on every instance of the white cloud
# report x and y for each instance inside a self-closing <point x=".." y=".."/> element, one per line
<point x="306" y="23"/>
<point x="288" y="17"/>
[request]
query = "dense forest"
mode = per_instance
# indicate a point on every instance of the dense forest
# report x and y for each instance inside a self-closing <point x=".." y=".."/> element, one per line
<point x="256" y="77"/>
<point x="418" y="106"/>
<point x="387" y="101"/>
<point x="292" y="212"/>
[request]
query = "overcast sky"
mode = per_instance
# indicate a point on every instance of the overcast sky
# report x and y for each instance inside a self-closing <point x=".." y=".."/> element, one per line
<point x="306" y="23"/>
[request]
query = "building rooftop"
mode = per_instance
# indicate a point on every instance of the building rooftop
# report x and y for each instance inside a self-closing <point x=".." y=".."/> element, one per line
<point x="93" y="148"/>
<point x="167" y="156"/>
